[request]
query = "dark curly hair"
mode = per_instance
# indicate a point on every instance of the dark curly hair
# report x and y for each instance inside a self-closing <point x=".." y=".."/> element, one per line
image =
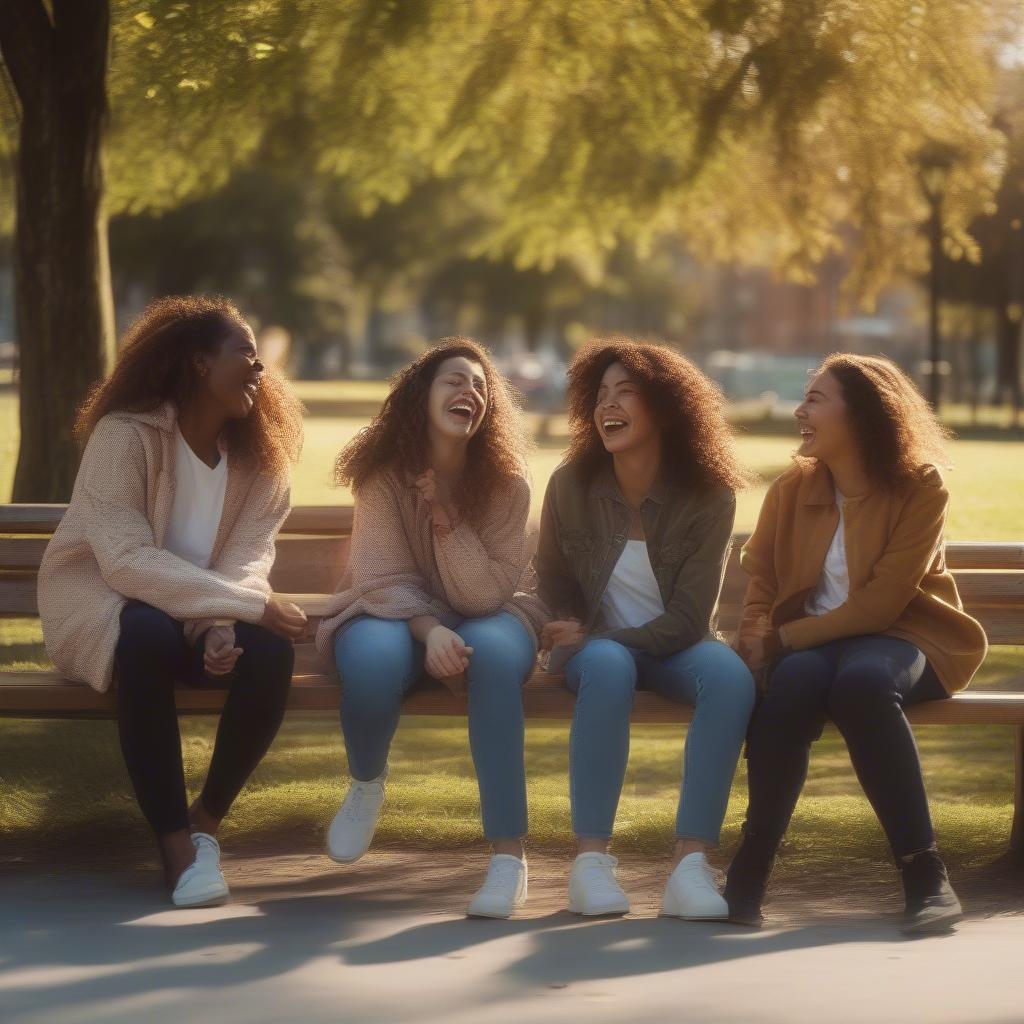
<point x="686" y="404"/>
<point x="397" y="436"/>
<point x="894" y="427"/>
<point x="156" y="365"/>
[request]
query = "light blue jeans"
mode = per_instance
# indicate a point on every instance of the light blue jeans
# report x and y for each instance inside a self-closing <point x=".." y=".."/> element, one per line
<point x="379" y="660"/>
<point x="709" y="676"/>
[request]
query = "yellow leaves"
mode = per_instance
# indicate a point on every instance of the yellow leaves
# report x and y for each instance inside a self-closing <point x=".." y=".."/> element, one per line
<point x="145" y="19"/>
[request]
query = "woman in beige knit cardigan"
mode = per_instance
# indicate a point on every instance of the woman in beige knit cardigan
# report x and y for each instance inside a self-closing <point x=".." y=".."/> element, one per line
<point x="158" y="572"/>
<point x="437" y="579"/>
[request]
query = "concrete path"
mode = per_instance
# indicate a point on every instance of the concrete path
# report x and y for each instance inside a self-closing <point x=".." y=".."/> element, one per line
<point x="307" y="941"/>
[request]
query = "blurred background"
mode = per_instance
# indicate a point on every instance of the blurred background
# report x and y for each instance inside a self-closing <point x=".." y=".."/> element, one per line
<point x="754" y="183"/>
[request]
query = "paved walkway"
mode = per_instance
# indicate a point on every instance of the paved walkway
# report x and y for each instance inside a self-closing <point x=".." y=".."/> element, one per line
<point x="304" y="940"/>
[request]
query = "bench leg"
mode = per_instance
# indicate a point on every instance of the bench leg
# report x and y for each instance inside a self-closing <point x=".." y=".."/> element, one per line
<point x="1017" y="831"/>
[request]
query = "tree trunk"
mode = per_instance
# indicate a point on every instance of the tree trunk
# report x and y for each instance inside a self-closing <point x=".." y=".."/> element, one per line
<point x="63" y="303"/>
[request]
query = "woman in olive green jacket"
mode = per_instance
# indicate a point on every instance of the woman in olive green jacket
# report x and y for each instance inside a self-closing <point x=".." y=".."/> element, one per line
<point x="635" y="533"/>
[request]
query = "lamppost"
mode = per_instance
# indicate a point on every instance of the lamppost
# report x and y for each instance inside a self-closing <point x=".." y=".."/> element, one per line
<point x="935" y="161"/>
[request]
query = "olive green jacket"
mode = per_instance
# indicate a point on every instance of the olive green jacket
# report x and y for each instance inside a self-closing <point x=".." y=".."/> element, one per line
<point x="583" y="531"/>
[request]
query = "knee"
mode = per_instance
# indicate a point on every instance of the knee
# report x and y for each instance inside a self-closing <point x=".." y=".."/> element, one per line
<point x="606" y="674"/>
<point x="374" y="664"/>
<point x="862" y="689"/>
<point x="147" y="633"/>
<point x="794" y="686"/>
<point x="502" y="653"/>
<point x="266" y="657"/>
<point x="726" y="682"/>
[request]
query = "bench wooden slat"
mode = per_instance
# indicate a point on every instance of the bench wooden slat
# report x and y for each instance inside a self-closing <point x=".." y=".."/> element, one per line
<point x="301" y="519"/>
<point x="31" y="694"/>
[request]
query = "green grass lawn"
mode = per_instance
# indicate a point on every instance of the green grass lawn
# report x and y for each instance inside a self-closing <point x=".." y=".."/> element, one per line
<point x="65" y="779"/>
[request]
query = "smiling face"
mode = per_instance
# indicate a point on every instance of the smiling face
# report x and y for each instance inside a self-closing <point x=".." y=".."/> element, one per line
<point x="457" y="400"/>
<point x="621" y="414"/>
<point x="230" y="375"/>
<point x="822" y="416"/>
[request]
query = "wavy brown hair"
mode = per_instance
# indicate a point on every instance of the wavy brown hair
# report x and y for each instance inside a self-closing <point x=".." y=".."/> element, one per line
<point x="157" y="364"/>
<point x="686" y="404"/>
<point x="894" y="427"/>
<point x="397" y="436"/>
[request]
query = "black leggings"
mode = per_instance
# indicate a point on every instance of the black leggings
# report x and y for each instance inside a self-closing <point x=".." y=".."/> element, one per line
<point x="152" y="655"/>
<point x="862" y="683"/>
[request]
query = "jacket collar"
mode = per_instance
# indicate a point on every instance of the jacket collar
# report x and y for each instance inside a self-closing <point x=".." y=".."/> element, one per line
<point x="163" y="417"/>
<point x="820" y="488"/>
<point x="606" y="486"/>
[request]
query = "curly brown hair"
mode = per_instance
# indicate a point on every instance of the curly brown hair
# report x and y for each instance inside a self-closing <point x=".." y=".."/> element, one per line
<point x="685" y="403"/>
<point x="397" y="436"/>
<point x="156" y="364"/>
<point x="895" y="429"/>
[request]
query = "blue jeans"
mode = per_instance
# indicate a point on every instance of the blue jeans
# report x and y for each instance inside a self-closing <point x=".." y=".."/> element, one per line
<point x="379" y="661"/>
<point x="709" y="676"/>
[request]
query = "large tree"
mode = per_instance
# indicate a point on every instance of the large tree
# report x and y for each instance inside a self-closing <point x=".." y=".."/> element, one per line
<point x="755" y="129"/>
<point x="187" y="101"/>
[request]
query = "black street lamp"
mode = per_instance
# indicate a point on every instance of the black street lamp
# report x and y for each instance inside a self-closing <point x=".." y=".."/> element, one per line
<point x="935" y="161"/>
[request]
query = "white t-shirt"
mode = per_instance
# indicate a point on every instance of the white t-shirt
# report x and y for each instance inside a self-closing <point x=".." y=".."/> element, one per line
<point x="198" y="504"/>
<point x="834" y="583"/>
<point x="632" y="596"/>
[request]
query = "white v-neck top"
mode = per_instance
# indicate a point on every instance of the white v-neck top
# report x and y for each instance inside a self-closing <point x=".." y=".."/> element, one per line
<point x="198" y="504"/>
<point x="632" y="596"/>
<point x="833" y="587"/>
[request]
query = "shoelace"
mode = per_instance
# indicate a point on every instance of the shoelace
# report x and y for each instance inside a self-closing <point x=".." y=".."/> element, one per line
<point x="502" y="871"/>
<point x="599" y="876"/>
<point x="702" y="874"/>
<point x="357" y="808"/>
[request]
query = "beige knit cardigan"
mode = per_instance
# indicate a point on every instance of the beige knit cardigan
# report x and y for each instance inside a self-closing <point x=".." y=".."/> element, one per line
<point x="108" y="547"/>
<point x="400" y="567"/>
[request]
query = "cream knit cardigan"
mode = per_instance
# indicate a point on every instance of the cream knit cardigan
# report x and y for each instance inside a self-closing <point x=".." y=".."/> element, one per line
<point x="108" y="547"/>
<point x="400" y="567"/>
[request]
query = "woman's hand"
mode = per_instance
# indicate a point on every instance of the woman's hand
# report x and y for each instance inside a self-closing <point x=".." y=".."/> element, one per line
<point x="219" y="650"/>
<point x="429" y="487"/>
<point x="752" y="652"/>
<point x="283" y="618"/>
<point x="559" y="632"/>
<point x="447" y="655"/>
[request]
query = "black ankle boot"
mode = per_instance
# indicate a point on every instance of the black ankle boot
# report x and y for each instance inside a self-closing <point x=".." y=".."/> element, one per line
<point x="932" y="905"/>
<point x="747" y="879"/>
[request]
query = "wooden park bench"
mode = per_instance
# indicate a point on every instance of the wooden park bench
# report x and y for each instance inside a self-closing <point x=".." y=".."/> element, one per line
<point x="311" y="552"/>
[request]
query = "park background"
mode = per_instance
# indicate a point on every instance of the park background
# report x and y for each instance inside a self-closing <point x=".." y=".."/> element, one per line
<point x="754" y="183"/>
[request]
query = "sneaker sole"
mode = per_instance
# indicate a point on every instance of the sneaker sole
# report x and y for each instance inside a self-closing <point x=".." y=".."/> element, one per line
<point x="344" y="860"/>
<point x="617" y="910"/>
<point x="670" y="908"/>
<point x="212" y="898"/>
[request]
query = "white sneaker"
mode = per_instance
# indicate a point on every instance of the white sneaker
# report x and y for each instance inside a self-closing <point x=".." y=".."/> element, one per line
<point x="692" y="892"/>
<point x="504" y="888"/>
<point x="201" y="883"/>
<point x="593" y="888"/>
<point x="351" y="831"/>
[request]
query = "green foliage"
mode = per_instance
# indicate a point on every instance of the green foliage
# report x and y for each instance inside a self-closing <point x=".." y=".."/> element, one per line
<point x="756" y="129"/>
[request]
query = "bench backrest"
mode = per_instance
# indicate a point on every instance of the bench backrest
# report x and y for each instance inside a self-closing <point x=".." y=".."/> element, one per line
<point x="314" y="543"/>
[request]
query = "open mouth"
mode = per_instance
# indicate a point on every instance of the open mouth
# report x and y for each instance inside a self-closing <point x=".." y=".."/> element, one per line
<point x="613" y="425"/>
<point x="251" y="389"/>
<point x="807" y="434"/>
<point x="463" y="410"/>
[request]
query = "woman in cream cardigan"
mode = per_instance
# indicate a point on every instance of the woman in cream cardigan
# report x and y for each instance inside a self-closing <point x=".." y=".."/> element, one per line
<point x="158" y="572"/>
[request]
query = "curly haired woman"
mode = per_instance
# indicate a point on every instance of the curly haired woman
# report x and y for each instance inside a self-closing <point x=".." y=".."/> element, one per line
<point x="158" y="572"/>
<point x="851" y="615"/>
<point x="635" y="533"/>
<point x="437" y="579"/>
